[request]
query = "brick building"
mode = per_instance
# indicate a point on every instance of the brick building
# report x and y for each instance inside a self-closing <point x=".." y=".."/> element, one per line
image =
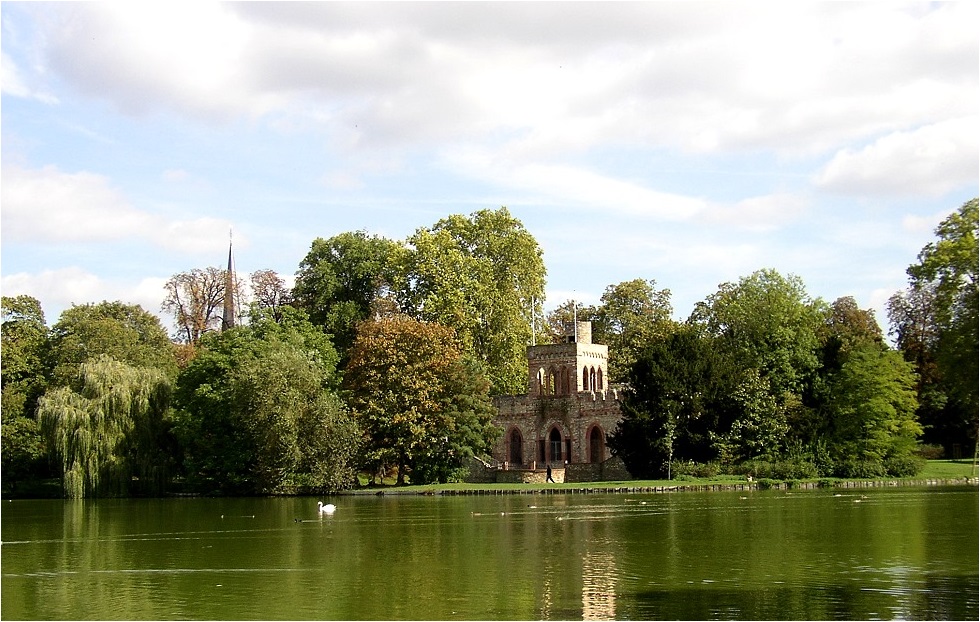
<point x="564" y="418"/>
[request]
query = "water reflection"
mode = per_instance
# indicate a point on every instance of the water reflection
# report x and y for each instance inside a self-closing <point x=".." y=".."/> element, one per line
<point x="774" y="555"/>
<point x="599" y="586"/>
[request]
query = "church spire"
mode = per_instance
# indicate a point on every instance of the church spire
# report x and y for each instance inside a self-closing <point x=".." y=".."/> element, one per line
<point x="228" y="316"/>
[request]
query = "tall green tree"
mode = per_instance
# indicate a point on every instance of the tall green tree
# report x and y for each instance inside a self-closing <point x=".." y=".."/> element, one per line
<point x="423" y="407"/>
<point x="935" y="322"/>
<point x="126" y="333"/>
<point x="871" y="423"/>
<point x="484" y="277"/>
<point x="24" y="341"/>
<point x="345" y="279"/>
<point x="768" y="322"/>
<point x="631" y="314"/>
<point x="676" y="398"/>
<point x="22" y="350"/>
<point x="108" y="426"/>
<point x="258" y="412"/>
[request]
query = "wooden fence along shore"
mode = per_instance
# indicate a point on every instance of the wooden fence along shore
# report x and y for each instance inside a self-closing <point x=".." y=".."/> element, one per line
<point x="693" y="487"/>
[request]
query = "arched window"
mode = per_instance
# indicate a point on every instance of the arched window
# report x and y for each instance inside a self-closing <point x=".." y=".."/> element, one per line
<point x="554" y="444"/>
<point x="598" y="374"/>
<point x="592" y="379"/>
<point x="541" y="382"/>
<point x="596" y="445"/>
<point x="552" y="381"/>
<point x="585" y="378"/>
<point x="515" y="453"/>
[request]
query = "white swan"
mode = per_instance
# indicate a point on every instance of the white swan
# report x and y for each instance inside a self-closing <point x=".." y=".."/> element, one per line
<point x="326" y="509"/>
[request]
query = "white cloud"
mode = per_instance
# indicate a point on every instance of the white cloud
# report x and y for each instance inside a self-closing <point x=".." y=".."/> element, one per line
<point x="929" y="160"/>
<point x="564" y="184"/>
<point x="61" y="288"/>
<point x="12" y="82"/>
<point x="50" y="206"/>
<point x="669" y="74"/>
<point x="759" y="214"/>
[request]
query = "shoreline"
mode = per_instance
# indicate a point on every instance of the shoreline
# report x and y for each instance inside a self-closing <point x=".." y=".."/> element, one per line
<point x="560" y="489"/>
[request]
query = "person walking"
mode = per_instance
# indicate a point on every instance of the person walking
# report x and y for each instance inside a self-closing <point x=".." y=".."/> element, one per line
<point x="549" y="478"/>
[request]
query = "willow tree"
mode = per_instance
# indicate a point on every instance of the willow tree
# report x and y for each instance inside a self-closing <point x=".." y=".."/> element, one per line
<point x="105" y="428"/>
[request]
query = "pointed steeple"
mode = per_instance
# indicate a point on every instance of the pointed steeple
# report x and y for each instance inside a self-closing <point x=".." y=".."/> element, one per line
<point x="228" y="316"/>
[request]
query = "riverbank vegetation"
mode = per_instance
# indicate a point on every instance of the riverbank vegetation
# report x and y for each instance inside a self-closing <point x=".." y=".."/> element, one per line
<point x="382" y="359"/>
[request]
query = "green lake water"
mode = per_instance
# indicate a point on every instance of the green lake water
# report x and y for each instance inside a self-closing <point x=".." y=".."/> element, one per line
<point x="903" y="553"/>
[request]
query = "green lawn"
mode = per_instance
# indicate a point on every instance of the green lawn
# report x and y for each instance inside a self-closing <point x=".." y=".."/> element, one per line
<point x="942" y="469"/>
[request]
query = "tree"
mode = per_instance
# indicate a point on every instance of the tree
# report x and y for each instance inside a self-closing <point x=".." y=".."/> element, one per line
<point x="871" y="421"/>
<point x="257" y="410"/>
<point x="559" y="320"/>
<point x="760" y="427"/>
<point x="107" y="426"/>
<point x="482" y="276"/>
<point x="196" y="300"/>
<point x="344" y="279"/>
<point x="676" y="397"/>
<point x="845" y="328"/>
<point x="766" y="321"/>
<point x="935" y="322"/>
<point x="631" y="313"/>
<point x="24" y="341"/>
<point x="269" y="291"/>
<point x="126" y="333"/>
<point x="422" y="406"/>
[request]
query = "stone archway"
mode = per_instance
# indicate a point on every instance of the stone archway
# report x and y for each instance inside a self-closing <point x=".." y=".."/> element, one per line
<point x="554" y="445"/>
<point x="597" y="445"/>
<point x="515" y="450"/>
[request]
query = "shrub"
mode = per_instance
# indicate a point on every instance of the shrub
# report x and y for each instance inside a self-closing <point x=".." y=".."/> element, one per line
<point x="791" y="469"/>
<point x="930" y="452"/>
<point x="693" y="469"/>
<point x="904" y="466"/>
<point x="859" y="469"/>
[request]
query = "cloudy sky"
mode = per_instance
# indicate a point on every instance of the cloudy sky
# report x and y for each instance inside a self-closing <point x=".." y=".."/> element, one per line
<point x="689" y="143"/>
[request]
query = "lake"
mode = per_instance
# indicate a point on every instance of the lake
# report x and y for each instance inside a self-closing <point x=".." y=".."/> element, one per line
<point x="902" y="553"/>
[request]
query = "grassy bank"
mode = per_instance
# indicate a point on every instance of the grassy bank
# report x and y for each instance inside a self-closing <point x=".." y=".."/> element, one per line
<point x="934" y="470"/>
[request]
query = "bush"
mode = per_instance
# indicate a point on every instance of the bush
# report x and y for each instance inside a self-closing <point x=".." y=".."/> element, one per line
<point x="859" y="469"/>
<point x="689" y="468"/>
<point x="930" y="452"/>
<point x="791" y="469"/>
<point x="904" y="466"/>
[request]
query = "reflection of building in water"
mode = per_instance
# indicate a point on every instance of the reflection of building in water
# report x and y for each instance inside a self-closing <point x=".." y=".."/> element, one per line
<point x="598" y="586"/>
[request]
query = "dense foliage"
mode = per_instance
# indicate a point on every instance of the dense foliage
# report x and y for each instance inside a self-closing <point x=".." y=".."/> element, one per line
<point x="423" y="406"/>
<point x="935" y="323"/>
<point x="762" y="375"/>
<point x="383" y="357"/>
<point x="483" y="277"/>
<point x="257" y="412"/>
<point x="109" y="426"/>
